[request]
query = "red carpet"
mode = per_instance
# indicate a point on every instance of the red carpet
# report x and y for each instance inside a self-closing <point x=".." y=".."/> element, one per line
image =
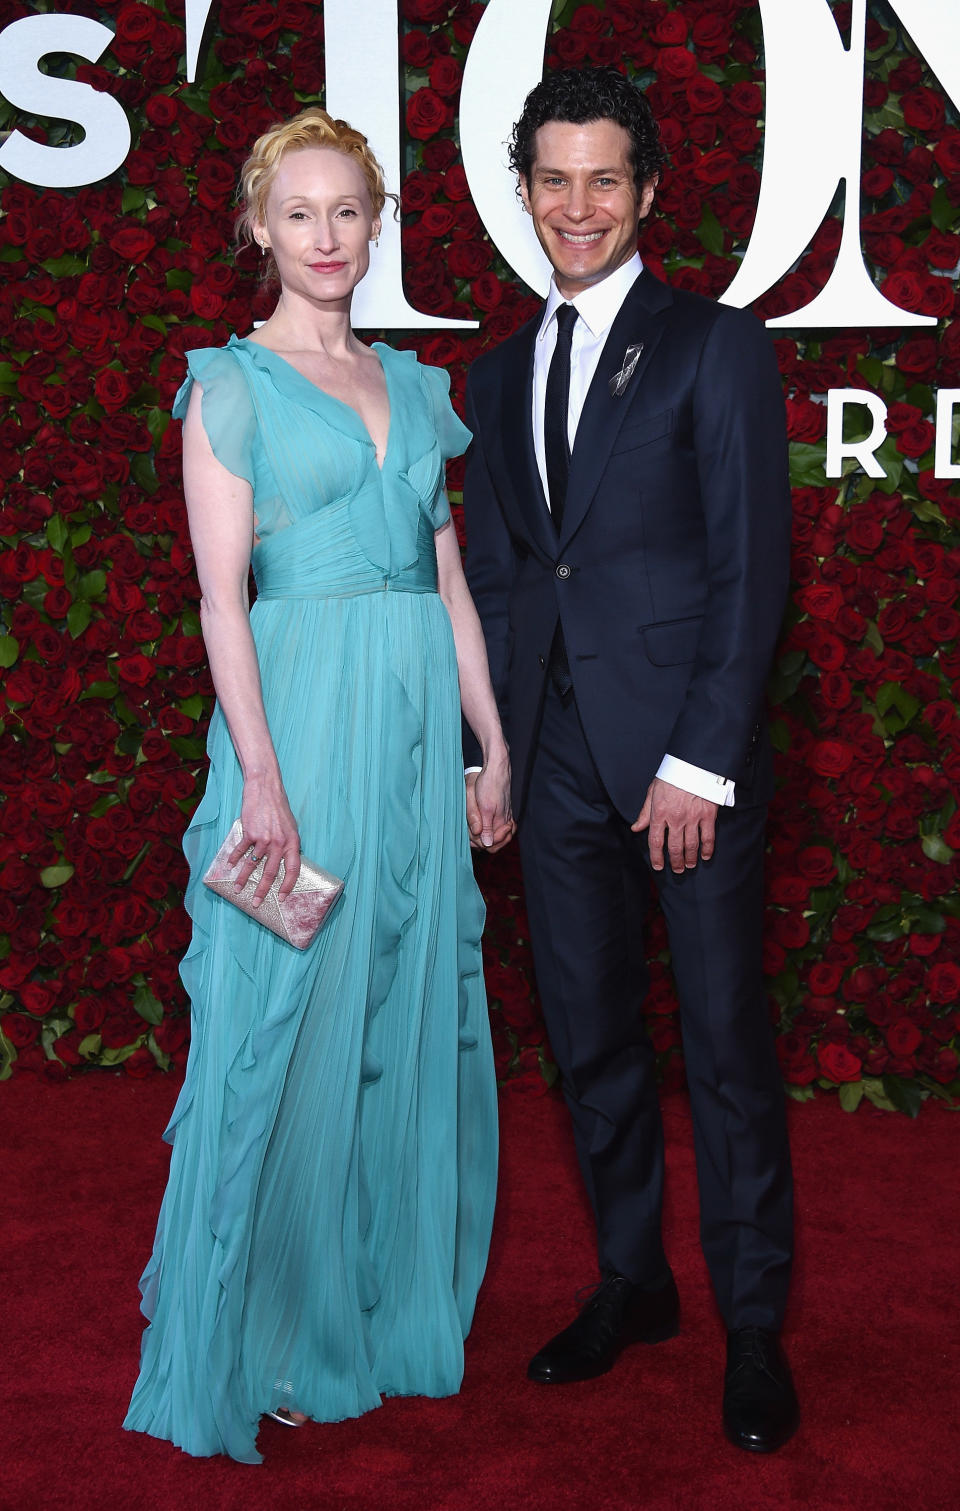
<point x="873" y="1336"/>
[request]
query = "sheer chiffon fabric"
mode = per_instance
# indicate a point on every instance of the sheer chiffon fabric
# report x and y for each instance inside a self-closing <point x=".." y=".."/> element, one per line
<point x="326" y="1222"/>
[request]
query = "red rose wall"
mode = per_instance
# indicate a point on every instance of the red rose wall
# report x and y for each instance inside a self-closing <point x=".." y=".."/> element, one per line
<point x="105" y="692"/>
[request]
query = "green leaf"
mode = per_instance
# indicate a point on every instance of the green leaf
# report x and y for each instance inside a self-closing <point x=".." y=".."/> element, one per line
<point x="887" y="931"/>
<point x="130" y="741"/>
<point x="146" y="1004"/>
<point x="9" y="650"/>
<point x="154" y="323"/>
<point x="891" y="461"/>
<point x="160" y="1055"/>
<point x="142" y="472"/>
<point x="57" y="532"/>
<point x="710" y="231"/>
<point x="78" y="617"/>
<point x="92" y="584"/>
<point x="193" y="707"/>
<point x="936" y="848"/>
<point x="851" y="1095"/>
<point x="807" y="464"/>
<point x="905" y="1095"/>
<point x="780" y="733"/>
<point x="873" y="638"/>
<point x="99" y="689"/>
<point x="873" y="1090"/>
<point x="56" y="876"/>
<point x="927" y="511"/>
<point x="67" y="266"/>
<point x="800" y="1093"/>
<point x="7" y="1055"/>
<point x="157" y="422"/>
<point x="179" y="278"/>
<point x="943" y="212"/>
<point x="90" y="1046"/>
<point x="133" y="199"/>
<point x="137" y="859"/>
<point x="871" y="368"/>
<point x="117" y="1056"/>
<point x="925" y="920"/>
<point x="892" y="696"/>
<point x="190" y="623"/>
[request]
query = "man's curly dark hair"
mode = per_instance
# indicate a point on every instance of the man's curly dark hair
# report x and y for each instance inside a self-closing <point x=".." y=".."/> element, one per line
<point x="581" y="95"/>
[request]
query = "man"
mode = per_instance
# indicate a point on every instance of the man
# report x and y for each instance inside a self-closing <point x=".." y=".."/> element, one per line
<point x="628" y="523"/>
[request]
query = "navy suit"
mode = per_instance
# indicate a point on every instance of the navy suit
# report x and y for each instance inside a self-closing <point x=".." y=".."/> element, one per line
<point x="669" y="578"/>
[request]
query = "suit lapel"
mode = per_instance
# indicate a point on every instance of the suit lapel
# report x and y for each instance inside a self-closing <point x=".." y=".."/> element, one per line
<point x="516" y="415"/>
<point x="640" y="319"/>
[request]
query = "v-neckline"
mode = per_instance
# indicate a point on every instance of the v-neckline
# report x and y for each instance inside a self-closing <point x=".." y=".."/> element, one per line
<point x="259" y="346"/>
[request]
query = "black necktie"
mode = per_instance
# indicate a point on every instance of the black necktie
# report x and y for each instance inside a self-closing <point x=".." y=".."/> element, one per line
<point x="555" y="414"/>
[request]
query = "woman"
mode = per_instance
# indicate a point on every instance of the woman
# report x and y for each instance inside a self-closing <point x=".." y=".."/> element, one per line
<point x="326" y="1222"/>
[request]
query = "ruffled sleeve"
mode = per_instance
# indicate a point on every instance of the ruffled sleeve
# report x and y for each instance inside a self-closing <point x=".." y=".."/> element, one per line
<point x="227" y="408"/>
<point x="452" y="435"/>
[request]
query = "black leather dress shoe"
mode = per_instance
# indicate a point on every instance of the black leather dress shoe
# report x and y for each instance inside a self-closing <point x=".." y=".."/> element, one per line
<point x="618" y="1313"/>
<point x="760" y="1410"/>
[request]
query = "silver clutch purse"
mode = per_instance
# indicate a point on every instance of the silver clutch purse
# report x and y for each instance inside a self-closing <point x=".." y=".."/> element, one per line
<point x="295" y="918"/>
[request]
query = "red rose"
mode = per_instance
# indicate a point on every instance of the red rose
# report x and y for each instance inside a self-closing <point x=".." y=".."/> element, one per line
<point x="445" y="75"/>
<point x="816" y="864"/>
<point x="675" y="63"/>
<point x="943" y="982"/>
<point x="112" y="389"/>
<point x="837" y="1063"/>
<point x="903" y="1038"/>
<point x="922" y="110"/>
<point x="820" y="600"/>
<point x="19" y="1030"/>
<point x="831" y="758"/>
<point x="824" y="978"/>
<point x="132" y="243"/>
<point x="486" y="292"/>
<point x="467" y="259"/>
<point x="704" y="97"/>
<point x="426" y="114"/>
<point x="39" y="997"/>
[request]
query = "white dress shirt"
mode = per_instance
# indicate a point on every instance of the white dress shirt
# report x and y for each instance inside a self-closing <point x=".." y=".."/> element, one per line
<point x="597" y="308"/>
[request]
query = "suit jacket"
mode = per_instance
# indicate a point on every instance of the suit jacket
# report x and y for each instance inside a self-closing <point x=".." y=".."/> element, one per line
<point x="670" y="573"/>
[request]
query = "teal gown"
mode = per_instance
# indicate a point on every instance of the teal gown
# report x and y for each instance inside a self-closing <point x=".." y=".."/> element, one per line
<point x="326" y="1222"/>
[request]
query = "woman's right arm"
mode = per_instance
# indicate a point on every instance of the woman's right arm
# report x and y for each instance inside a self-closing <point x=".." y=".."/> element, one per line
<point x="220" y="511"/>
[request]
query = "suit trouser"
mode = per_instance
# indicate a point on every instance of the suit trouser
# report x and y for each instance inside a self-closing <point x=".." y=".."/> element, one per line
<point x="586" y="878"/>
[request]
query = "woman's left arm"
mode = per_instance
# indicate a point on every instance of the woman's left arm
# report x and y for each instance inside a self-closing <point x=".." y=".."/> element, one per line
<point x="489" y="815"/>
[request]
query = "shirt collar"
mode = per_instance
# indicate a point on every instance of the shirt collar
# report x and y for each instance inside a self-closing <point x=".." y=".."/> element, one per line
<point x="599" y="305"/>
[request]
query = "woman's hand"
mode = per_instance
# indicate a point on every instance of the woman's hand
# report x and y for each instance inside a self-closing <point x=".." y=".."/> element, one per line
<point x="489" y="812"/>
<point x="270" y="832"/>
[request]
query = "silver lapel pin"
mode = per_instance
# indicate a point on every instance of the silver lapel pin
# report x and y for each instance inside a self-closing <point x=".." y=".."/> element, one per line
<point x="619" y="381"/>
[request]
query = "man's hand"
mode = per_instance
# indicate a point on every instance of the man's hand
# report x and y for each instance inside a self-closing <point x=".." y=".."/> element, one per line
<point x="689" y="823"/>
<point x="489" y="816"/>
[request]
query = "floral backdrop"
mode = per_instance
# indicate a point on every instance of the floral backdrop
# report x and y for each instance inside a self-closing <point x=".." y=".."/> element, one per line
<point x="105" y="692"/>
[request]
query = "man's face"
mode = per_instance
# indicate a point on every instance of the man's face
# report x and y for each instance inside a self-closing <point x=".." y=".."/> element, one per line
<point x="584" y="201"/>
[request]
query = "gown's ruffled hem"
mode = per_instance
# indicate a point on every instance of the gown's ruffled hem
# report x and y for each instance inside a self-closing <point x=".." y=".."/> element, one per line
<point x="254" y="1084"/>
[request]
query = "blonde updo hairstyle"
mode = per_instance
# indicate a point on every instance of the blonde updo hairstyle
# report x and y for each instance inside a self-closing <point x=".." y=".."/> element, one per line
<point x="311" y="128"/>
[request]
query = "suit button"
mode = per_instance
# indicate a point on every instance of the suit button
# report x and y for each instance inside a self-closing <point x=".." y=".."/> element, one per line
<point x="563" y="571"/>
<point x="541" y="660"/>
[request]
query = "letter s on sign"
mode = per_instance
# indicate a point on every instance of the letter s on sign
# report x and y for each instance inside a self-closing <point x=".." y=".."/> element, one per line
<point x="106" y="144"/>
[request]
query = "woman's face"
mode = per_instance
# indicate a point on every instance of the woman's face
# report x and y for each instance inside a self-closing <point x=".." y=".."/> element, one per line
<point x="319" y="223"/>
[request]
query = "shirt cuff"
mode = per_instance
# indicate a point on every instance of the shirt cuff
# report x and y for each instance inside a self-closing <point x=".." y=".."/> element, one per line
<point x="467" y="769"/>
<point x="705" y="784"/>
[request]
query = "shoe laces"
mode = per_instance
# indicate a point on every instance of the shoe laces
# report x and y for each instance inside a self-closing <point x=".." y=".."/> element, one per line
<point x="602" y="1290"/>
<point x="753" y="1350"/>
